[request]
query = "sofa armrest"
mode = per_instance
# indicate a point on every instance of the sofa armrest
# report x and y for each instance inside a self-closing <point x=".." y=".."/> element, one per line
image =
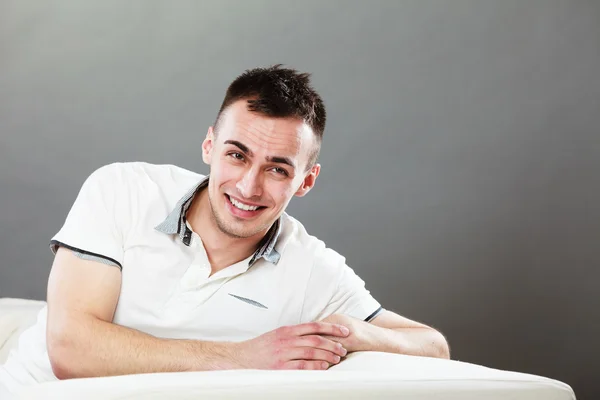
<point x="16" y="315"/>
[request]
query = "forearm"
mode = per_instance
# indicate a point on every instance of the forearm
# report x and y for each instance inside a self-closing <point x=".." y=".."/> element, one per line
<point x="93" y="347"/>
<point x="425" y="342"/>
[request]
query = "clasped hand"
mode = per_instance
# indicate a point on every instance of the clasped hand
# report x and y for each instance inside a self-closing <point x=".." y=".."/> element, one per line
<point x="311" y="346"/>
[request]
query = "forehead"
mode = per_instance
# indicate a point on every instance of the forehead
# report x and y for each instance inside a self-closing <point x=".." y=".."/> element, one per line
<point x="289" y="137"/>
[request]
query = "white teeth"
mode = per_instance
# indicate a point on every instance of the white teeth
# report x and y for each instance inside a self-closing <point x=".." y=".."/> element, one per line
<point x="242" y="206"/>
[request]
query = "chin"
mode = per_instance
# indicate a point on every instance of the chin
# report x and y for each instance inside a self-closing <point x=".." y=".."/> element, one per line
<point x="241" y="232"/>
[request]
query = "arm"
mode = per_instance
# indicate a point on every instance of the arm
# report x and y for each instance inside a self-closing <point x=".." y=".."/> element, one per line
<point x="392" y="333"/>
<point x="83" y="341"/>
<point x="82" y="295"/>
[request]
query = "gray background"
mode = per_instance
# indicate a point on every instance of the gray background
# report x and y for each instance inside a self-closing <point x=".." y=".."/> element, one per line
<point x="460" y="165"/>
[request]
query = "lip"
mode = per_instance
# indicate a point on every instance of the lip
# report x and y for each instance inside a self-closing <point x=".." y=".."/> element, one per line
<point x="243" y="214"/>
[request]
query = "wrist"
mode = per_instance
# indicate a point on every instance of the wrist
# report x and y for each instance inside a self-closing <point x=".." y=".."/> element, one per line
<point x="237" y="355"/>
<point x="217" y="356"/>
<point x="232" y="354"/>
<point x="365" y="337"/>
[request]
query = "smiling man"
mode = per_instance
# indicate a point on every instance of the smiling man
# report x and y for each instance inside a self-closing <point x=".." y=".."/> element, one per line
<point x="160" y="269"/>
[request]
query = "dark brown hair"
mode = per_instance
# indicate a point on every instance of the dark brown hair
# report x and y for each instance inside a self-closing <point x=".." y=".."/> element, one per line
<point x="279" y="92"/>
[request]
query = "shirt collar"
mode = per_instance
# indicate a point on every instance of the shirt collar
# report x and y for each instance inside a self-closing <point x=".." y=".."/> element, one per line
<point x="175" y="224"/>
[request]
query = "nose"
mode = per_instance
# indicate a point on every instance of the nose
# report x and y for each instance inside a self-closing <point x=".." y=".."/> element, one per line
<point x="250" y="185"/>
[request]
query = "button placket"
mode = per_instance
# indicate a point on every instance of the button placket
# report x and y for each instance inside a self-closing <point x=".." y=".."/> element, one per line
<point x="196" y="272"/>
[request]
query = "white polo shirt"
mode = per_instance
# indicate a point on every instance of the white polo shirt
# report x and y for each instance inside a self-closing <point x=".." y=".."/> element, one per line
<point x="132" y="216"/>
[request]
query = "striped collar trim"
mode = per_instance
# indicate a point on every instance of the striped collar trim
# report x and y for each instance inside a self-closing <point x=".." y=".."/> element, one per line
<point x="175" y="224"/>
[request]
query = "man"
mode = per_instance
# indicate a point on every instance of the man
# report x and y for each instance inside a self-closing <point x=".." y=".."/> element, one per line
<point x="161" y="269"/>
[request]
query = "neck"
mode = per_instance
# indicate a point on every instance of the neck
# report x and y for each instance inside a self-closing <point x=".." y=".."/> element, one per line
<point x="222" y="250"/>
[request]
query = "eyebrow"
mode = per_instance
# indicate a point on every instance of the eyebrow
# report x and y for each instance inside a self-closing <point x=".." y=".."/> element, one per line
<point x="241" y="146"/>
<point x="273" y="159"/>
<point x="281" y="160"/>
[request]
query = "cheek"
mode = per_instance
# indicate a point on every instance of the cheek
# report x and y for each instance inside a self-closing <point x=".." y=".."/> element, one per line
<point x="223" y="173"/>
<point x="281" y="192"/>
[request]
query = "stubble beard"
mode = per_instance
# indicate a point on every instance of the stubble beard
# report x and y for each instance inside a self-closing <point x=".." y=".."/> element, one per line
<point x="226" y="228"/>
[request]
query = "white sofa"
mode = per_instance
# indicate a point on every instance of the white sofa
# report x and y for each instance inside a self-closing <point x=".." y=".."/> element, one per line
<point x="361" y="375"/>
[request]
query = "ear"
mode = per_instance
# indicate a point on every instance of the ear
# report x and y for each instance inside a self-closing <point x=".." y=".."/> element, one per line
<point x="207" y="146"/>
<point x="309" y="180"/>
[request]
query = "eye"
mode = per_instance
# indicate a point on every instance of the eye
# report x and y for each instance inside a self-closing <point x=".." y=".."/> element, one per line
<point x="237" y="156"/>
<point x="280" y="171"/>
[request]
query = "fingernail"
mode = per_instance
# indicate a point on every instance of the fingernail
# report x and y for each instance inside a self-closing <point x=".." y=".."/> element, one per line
<point x="325" y="365"/>
<point x="345" y="330"/>
<point x="344" y="352"/>
<point x="337" y="359"/>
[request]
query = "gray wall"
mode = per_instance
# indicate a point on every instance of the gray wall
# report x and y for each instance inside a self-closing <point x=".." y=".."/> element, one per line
<point x="460" y="165"/>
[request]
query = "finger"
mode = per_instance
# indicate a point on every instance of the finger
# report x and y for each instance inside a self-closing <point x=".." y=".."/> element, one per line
<point x="310" y="353"/>
<point x="334" y="339"/>
<point x="306" y="364"/>
<point x="319" y="328"/>
<point x="320" y="342"/>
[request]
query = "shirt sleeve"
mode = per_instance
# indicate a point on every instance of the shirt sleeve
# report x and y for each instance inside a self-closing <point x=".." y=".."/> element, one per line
<point x="92" y="228"/>
<point x="334" y="288"/>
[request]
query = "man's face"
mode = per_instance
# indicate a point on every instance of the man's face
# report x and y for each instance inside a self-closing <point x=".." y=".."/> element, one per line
<point x="257" y="164"/>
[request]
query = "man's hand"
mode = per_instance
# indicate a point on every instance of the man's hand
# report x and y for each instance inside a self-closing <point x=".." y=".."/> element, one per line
<point x="390" y="333"/>
<point x="312" y="345"/>
<point x="357" y="339"/>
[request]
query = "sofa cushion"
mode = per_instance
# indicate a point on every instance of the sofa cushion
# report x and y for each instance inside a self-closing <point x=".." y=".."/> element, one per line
<point x="16" y="315"/>
<point x="360" y="376"/>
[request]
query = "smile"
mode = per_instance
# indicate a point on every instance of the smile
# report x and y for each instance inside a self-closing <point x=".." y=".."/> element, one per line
<point x="243" y="206"/>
